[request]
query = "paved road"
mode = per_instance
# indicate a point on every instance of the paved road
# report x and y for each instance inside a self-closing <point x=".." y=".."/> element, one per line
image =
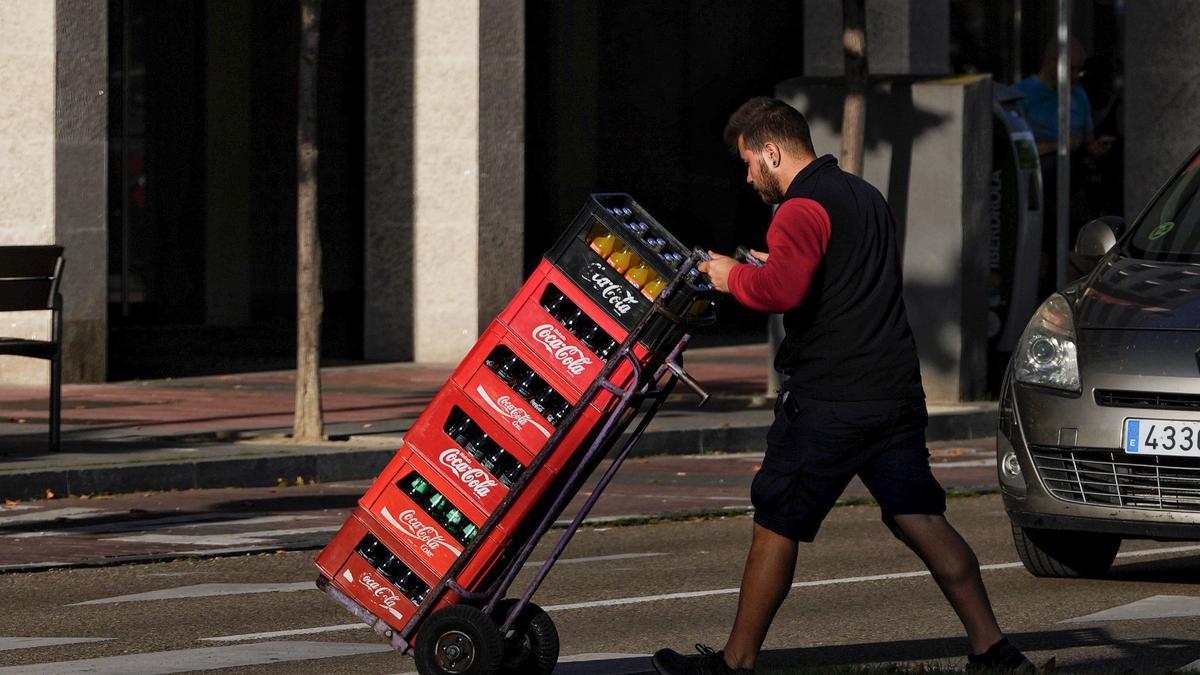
<point x="622" y="592"/>
<point x="165" y="525"/>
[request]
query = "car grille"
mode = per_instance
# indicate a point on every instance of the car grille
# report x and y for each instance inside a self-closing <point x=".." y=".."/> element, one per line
<point x="1147" y="399"/>
<point x="1113" y="478"/>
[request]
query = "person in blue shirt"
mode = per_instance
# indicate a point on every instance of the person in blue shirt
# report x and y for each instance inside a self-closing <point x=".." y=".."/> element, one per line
<point x="1041" y="105"/>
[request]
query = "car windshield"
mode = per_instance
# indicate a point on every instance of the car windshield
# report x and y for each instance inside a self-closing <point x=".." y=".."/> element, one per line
<point x="1170" y="229"/>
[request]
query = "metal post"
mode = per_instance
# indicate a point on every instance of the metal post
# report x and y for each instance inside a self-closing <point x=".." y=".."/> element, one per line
<point x="1016" y="43"/>
<point x="1063" y="179"/>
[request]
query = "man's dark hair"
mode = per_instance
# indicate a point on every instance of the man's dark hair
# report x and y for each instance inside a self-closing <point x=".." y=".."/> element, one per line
<point x="763" y="119"/>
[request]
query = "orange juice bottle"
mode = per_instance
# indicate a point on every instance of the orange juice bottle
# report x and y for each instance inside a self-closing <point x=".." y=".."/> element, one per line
<point x="640" y="274"/>
<point x="622" y="258"/>
<point x="654" y="287"/>
<point x="602" y="240"/>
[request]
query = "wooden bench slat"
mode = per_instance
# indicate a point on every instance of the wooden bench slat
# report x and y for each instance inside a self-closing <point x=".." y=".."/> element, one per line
<point x="25" y="294"/>
<point x="29" y="261"/>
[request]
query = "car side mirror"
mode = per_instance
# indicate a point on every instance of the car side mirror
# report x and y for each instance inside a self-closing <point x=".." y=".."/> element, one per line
<point x="1099" y="236"/>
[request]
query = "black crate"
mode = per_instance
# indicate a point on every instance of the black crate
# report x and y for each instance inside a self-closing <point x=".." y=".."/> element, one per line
<point x="608" y="287"/>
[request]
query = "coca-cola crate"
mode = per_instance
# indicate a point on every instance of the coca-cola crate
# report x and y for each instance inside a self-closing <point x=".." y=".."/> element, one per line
<point x="417" y="526"/>
<point x="482" y="381"/>
<point x="367" y="565"/>
<point x="612" y="283"/>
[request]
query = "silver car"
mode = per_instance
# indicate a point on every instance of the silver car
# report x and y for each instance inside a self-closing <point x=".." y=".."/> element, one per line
<point x="1099" y="428"/>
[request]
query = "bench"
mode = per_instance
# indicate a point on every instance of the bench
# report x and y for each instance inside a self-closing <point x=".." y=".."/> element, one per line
<point x="29" y="281"/>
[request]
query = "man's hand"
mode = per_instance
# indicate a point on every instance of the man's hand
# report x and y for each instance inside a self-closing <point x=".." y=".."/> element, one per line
<point x="717" y="269"/>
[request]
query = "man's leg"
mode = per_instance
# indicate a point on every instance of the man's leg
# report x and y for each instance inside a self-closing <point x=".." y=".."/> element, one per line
<point x="956" y="570"/>
<point x="770" y="566"/>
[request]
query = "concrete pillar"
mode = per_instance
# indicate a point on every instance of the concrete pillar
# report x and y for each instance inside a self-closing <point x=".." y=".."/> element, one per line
<point x="227" y="194"/>
<point x="52" y="157"/>
<point x="929" y="153"/>
<point x="445" y="168"/>
<point x="1162" y="75"/>
<point x="904" y="37"/>
<point x="81" y="183"/>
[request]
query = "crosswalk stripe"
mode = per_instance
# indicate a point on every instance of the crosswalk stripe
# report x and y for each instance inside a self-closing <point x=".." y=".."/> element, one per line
<point x="10" y="643"/>
<point x="236" y="539"/>
<point x="287" y="633"/>
<point x="202" y="591"/>
<point x="52" y="514"/>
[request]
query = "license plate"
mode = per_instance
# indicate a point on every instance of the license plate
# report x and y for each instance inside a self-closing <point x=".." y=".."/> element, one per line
<point x="1162" y="437"/>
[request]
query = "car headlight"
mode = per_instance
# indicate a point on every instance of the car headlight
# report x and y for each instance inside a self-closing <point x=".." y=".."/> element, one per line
<point x="1046" y="354"/>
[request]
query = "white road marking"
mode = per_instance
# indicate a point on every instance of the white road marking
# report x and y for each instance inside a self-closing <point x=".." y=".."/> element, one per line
<point x="236" y="539"/>
<point x="596" y="664"/>
<point x="203" y="591"/>
<point x="1193" y="667"/>
<point x="7" y="643"/>
<point x="206" y="658"/>
<point x="207" y="519"/>
<point x="826" y="582"/>
<point x="595" y="558"/>
<point x="1153" y="607"/>
<point x="287" y="633"/>
<point x="52" y="514"/>
<point x="259" y="520"/>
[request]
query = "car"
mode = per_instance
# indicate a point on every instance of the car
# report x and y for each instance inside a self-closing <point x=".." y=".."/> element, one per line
<point x="1099" y="415"/>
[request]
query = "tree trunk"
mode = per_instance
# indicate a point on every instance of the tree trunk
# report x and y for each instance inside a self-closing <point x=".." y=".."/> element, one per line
<point x="309" y="423"/>
<point x="854" y="112"/>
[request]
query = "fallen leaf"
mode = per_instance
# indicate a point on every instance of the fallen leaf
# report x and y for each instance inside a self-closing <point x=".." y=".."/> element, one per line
<point x="49" y="494"/>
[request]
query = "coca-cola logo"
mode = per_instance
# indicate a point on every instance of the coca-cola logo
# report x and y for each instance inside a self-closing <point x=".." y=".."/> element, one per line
<point x="616" y="295"/>
<point x="472" y="476"/>
<point x="518" y="417"/>
<point x="386" y="596"/>
<point x="411" y="526"/>
<point x="569" y="355"/>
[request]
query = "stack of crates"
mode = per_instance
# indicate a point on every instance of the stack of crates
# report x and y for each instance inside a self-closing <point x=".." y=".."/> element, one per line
<point x="525" y="376"/>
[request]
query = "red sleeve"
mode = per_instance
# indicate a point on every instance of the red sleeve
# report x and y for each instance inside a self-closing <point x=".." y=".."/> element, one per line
<point x="796" y="239"/>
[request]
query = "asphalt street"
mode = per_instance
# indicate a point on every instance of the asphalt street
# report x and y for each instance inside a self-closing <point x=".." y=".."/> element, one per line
<point x="620" y="593"/>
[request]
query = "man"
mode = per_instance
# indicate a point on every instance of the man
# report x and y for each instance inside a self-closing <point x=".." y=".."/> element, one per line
<point x="853" y="401"/>
<point x="1040" y="104"/>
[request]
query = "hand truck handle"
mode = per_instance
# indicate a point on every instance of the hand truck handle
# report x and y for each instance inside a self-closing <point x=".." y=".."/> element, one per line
<point x="689" y="381"/>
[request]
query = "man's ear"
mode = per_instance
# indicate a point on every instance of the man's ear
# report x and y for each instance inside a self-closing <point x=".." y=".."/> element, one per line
<point x="772" y="154"/>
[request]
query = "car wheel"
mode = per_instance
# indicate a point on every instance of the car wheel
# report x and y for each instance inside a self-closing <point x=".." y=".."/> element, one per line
<point x="1054" y="553"/>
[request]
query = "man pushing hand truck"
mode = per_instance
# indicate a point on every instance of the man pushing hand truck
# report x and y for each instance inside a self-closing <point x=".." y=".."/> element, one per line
<point x="834" y="273"/>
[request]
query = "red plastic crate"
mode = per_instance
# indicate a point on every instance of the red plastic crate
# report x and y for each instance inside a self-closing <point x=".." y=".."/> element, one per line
<point x="353" y="575"/>
<point x="506" y="407"/>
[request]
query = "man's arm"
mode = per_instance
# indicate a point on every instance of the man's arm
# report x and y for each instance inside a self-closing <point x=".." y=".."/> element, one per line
<point x="797" y="238"/>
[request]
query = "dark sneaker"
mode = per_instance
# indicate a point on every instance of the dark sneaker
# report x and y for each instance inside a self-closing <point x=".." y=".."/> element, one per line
<point x="707" y="662"/>
<point x="1001" y="657"/>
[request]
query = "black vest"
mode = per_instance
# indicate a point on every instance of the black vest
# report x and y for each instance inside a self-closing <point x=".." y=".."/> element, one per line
<point x="850" y="339"/>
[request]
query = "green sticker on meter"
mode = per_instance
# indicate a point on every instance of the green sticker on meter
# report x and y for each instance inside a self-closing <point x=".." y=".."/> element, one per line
<point x="1162" y="230"/>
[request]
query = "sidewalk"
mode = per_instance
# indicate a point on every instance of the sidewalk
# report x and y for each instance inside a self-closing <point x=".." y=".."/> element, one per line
<point x="232" y="430"/>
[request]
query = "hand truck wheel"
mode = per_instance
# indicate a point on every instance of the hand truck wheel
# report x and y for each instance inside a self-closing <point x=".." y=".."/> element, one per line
<point x="531" y="645"/>
<point x="459" y="640"/>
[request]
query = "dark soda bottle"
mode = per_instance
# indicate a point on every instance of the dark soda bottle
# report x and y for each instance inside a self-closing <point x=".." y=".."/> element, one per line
<point x="558" y="413"/>
<point x="373" y="550"/>
<point x="542" y="400"/>
<point x="529" y="386"/>
<point x="511" y="473"/>
<point x="479" y="445"/>
<point x="592" y="337"/>
<point x="393" y="568"/>
<point x="460" y="428"/>
<point x="570" y="320"/>
<point x="494" y="458"/>
<point x="555" y="303"/>
<point x="510" y="369"/>
<point x="608" y="348"/>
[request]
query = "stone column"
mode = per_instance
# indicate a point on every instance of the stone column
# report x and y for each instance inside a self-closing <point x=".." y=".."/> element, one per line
<point x="1162" y="78"/>
<point x="445" y="173"/>
<point x="929" y="152"/>
<point x="53" y="145"/>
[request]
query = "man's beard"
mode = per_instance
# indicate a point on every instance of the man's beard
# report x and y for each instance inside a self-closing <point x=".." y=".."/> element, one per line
<point x="770" y="191"/>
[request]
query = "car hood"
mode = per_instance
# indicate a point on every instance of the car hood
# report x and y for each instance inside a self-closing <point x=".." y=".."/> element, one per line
<point x="1132" y="294"/>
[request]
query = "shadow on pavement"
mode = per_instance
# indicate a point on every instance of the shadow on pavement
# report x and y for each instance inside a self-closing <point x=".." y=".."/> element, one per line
<point x="1135" y="654"/>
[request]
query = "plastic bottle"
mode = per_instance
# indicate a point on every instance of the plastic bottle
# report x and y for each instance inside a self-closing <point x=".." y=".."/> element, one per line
<point x="602" y="240"/>
<point x="622" y="258"/>
<point x="654" y="287"/>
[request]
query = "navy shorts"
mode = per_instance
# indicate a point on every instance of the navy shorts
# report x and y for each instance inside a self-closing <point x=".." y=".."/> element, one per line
<point x="815" y="447"/>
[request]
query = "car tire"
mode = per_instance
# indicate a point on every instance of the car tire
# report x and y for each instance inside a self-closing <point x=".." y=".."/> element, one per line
<point x="1065" y="554"/>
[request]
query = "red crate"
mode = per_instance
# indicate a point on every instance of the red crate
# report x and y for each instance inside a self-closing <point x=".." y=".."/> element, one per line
<point x="506" y="407"/>
<point x="353" y="575"/>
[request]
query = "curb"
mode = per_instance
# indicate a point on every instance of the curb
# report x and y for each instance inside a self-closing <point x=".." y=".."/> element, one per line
<point x="328" y="467"/>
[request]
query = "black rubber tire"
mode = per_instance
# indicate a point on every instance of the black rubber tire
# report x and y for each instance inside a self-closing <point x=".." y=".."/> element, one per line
<point x="1065" y="554"/>
<point x="468" y="629"/>
<point x="531" y="645"/>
